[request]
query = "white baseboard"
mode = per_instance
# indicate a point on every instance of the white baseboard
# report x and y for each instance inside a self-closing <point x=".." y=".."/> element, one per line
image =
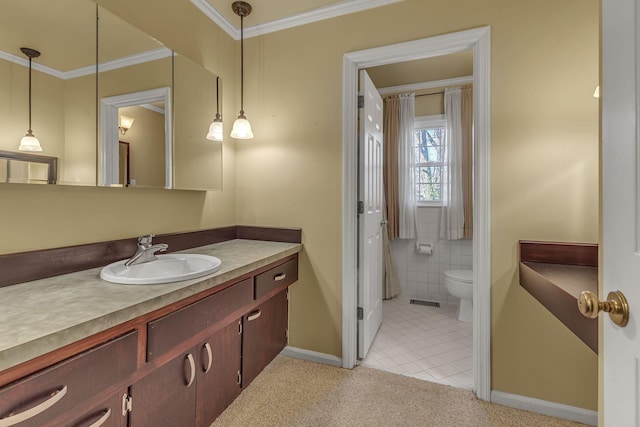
<point x="558" y="410"/>
<point x="312" y="356"/>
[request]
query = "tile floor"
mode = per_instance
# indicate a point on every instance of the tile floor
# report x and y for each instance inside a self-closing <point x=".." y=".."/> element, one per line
<point x="424" y="342"/>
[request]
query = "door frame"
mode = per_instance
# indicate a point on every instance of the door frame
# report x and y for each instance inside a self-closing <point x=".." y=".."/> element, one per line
<point x="478" y="40"/>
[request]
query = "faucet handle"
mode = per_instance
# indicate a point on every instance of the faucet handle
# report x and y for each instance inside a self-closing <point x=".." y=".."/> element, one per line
<point x="146" y="239"/>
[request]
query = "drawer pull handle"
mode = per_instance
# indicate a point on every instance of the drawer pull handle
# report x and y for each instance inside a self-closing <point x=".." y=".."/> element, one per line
<point x="279" y="277"/>
<point x="192" y="370"/>
<point x="36" y="410"/>
<point x="207" y="347"/>
<point x="254" y="315"/>
<point x="103" y="419"/>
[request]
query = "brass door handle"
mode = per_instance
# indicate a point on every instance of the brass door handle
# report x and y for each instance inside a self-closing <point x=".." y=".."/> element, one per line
<point x="616" y="305"/>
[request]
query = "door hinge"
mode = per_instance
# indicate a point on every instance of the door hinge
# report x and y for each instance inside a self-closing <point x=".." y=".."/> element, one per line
<point x="360" y="313"/>
<point x="127" y="404"/>
<point x="239" y="327"/>
<point x="360" y="101"/>
<point x="287" y="294"/>
<point x="286" y="335"/>
<point x="360" y="207"/>
<point x="239" y="378"/>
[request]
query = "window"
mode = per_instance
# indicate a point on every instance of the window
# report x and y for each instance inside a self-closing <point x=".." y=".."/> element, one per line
<point x="430" y="166"/>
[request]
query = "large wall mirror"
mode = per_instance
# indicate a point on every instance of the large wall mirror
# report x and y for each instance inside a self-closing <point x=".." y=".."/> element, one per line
<point x="139" y="95"/>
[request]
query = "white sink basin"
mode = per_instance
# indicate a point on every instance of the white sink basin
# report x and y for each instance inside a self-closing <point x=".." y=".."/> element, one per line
<point x="167" y="268"/>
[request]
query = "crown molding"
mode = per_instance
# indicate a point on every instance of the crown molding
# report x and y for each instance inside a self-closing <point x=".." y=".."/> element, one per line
<point x="215" y="16"/>
<point x="139" y="58"/>
<point x="426" y="85"/>
<point x="34" y="65"/>
<point x="343" y="8"/>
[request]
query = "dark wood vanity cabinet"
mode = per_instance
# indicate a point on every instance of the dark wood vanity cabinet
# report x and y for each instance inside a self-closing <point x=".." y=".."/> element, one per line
<point x="191" y="363"/>
<point x="57" y="392"/>
<point x="264" y="336"/>
<point x="219" y="381"/>
<point x="107" y="413"/>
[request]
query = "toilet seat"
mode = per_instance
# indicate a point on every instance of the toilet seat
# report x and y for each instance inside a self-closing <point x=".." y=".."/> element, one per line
<point x="464" y="276"/>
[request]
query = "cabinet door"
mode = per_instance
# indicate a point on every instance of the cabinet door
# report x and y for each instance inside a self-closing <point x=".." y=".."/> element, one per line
<point x="218" y="373"/>
<point x="167" y="396"/>
<point x="264" y="336"/>
<point x="104" y="414"/>
<point x="45" y="395"/>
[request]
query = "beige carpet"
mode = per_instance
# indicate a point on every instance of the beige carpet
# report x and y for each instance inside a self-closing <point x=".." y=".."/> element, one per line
<point x="292" y="392"/>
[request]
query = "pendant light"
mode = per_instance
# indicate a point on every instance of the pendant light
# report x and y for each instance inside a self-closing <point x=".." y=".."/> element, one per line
<point x="215" y="130"/>
<point x="29" y="142"/>
<point x="241" y="127"/>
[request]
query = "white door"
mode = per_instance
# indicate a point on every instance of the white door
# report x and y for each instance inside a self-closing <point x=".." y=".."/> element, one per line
<point x="620" y="208"/>
<point x="370" y="258"/>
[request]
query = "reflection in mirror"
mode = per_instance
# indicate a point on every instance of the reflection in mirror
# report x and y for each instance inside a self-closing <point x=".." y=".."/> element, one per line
<point x="27" y="168"/>
<point x="63" y="83"/>
<point x="65" y="108"/>
<point x="149" y="138"/>
<point x="135" y="72"/>
<point x="197" y="160"/>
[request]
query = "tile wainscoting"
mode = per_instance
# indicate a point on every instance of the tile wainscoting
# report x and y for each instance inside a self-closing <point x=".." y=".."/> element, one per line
<point x="422" y="276"/>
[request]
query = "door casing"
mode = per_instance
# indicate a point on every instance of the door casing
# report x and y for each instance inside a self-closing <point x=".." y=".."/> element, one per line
<point x="477" y="40"/>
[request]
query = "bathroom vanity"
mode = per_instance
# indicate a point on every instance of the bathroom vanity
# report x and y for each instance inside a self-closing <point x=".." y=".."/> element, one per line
<point x="85" y="352"/>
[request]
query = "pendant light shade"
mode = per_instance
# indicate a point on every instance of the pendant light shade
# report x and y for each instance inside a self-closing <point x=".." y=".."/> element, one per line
<point x="241" y="127"/>
<point x="215" y="129"/>
<point x="29" y="142"/>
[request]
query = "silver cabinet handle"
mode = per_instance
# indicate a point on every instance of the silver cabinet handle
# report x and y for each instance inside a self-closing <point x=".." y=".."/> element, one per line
<point x="207" y="347"/>
<point x="254" y="315"/>
<point x="192" y="370"/>
<point x="279" y="277"/>
<point x="103" y="419"/>
<point x="36" y="410"/>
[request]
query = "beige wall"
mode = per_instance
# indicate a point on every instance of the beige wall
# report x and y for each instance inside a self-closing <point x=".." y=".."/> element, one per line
<point x="544" y="160"/>
<point x="146" y="140"/>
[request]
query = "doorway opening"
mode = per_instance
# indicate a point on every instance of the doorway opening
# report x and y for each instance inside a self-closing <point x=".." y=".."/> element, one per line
<point x="476" y="40"/>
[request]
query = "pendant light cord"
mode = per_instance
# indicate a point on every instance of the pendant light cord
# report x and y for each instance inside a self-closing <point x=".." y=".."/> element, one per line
<point x="30" y="131"/>
<point x="242" y="65"/>
<point x="217" y="97"/>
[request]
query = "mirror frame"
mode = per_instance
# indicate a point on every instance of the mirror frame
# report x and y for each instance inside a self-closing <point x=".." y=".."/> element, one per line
<point x="51" y="162"/>
<point x="109" y="141"/>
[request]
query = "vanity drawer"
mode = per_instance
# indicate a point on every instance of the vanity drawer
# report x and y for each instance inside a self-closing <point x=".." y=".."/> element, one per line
<point x="169" y="331"/>
<point x="51" y="392"/>
<point x="281" y="275"/>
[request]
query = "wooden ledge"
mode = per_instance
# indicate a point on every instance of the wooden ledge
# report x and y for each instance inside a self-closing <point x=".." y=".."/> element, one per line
<point x="555" y="274"/>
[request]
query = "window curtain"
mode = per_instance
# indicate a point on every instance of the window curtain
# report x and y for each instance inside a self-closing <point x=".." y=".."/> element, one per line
<point x="399" y="113"/>
<point x="467" y="160"/>
<point x="457" y="189"/>
<point x="406" y="163"/>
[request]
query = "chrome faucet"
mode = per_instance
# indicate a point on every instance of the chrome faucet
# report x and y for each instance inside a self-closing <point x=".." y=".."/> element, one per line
<point x="146" y="251"/>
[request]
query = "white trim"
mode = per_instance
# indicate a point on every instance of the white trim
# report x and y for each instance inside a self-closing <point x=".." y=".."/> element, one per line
<point x="337" y="9"/>
<point x="434" y="84"/>
<point x="478" y="40"/>
<point x="153" y="108"/>
<point x="544" y="407"/>
<point x="109" y="168"/>
<point x="138" y="58"/>
<point x="433" y="120"/>
<point x="312" y="356"/>
<point x="205" y="7"/>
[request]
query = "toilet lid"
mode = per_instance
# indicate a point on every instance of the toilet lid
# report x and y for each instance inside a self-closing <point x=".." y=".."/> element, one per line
<point x="465" y="276"/>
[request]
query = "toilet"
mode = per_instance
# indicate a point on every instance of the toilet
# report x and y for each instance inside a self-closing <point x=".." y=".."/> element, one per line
<point x="459" y="284"/>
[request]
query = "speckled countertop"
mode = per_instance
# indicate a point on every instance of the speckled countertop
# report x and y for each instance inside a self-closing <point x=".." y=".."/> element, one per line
<point x="43" y="315"/>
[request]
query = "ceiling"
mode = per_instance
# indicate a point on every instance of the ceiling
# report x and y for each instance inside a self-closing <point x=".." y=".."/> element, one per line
<point x="273" y="15"/>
